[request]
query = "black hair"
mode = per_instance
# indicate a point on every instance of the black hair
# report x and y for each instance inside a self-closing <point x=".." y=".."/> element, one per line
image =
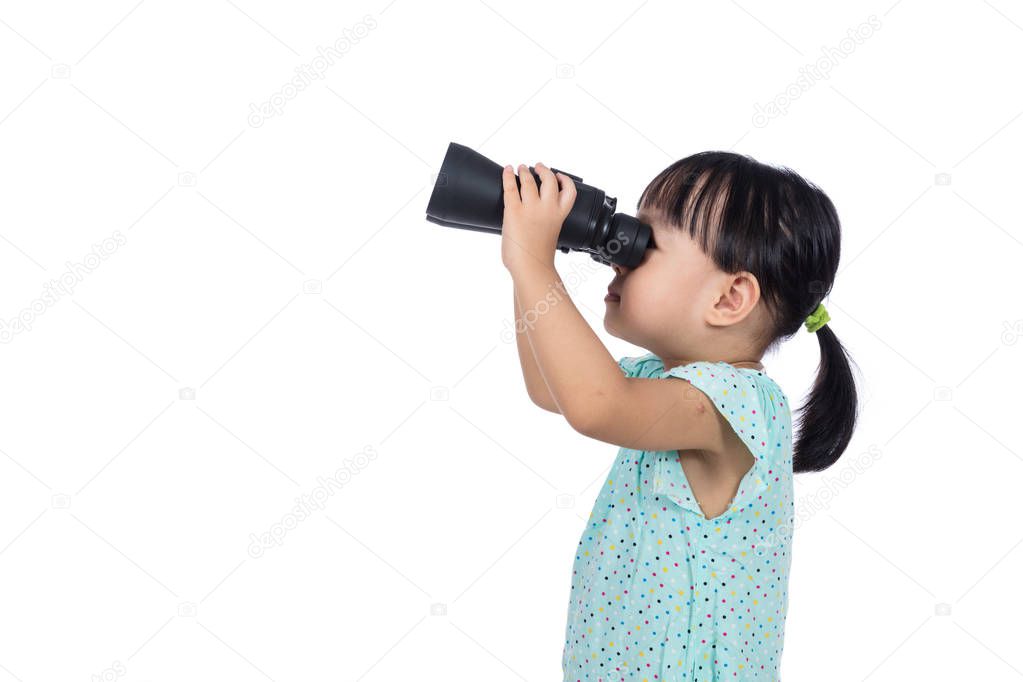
<point x="769" y="221"/>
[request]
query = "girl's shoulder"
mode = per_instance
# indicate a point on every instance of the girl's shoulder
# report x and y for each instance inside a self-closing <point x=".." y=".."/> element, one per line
<point x="752" y="403"/>
<point x="709" y="374"/>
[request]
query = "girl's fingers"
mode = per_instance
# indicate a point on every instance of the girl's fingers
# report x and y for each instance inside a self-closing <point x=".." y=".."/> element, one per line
<point x="566" y="199"/>
<point x="548" y="183"/>
<point x="511" y="190"/>
<point x="528" y="185"/>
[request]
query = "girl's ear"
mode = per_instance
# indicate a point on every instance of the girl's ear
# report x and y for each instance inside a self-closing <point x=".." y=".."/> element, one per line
<point x="737" y="299"/>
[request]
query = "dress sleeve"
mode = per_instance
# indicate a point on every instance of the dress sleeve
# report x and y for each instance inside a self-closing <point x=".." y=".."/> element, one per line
<point x="628" y="366"/>
<point x="642" y="366"/>
<point x="756" y="411"/>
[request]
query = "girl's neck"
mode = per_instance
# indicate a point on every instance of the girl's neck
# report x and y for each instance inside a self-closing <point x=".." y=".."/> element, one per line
<point x="752" y="364"/>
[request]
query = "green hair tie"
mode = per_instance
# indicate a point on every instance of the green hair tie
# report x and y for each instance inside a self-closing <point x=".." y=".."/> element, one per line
<point x="817" y="319"/>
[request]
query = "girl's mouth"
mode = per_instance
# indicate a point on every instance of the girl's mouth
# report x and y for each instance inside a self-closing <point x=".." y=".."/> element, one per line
<point x="612" y="297"/>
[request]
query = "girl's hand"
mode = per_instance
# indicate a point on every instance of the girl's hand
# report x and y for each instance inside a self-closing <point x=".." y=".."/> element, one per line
<point x="533" y="216"/>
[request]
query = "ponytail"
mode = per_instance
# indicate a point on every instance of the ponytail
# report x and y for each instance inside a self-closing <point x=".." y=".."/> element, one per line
<point x="827" y="419"/>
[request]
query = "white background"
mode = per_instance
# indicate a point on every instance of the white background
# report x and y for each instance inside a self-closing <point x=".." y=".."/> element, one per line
<point x="284" y="272"/>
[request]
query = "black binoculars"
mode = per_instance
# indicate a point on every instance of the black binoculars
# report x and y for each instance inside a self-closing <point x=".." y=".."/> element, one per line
<point x="469" y="193"/>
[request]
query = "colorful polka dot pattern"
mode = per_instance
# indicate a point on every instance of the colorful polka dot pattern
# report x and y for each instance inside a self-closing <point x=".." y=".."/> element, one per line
<point x="661" y="593"/>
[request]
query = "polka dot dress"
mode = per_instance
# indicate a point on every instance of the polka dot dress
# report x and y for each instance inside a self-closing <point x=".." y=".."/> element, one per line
<point x="660" y="592"/>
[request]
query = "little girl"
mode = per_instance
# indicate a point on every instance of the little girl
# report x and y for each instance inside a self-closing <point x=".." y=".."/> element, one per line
<point x="682" y="570"/>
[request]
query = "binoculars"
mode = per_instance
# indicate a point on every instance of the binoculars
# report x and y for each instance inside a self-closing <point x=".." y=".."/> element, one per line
<point x="469" y="194"/>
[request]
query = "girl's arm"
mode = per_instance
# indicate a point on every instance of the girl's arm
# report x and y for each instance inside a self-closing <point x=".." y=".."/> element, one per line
<point x="535" y="385"/>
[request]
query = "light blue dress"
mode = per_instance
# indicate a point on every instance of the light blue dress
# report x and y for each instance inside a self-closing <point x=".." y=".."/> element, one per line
<point x="660" y="592"/>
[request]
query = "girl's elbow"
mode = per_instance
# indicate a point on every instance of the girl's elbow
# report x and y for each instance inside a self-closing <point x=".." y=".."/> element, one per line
<point x="587" y="419"/>
<point x="548" y="405"/>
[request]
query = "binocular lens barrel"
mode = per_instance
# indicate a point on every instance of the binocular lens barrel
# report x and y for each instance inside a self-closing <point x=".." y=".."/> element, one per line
<point x="469" y="194"/>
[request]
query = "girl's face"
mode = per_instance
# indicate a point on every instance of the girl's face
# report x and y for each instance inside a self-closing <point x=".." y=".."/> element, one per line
<point x="667" y="296"/>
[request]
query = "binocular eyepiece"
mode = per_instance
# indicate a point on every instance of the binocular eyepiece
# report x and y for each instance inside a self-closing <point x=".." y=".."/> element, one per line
<point x="469" y="194"/>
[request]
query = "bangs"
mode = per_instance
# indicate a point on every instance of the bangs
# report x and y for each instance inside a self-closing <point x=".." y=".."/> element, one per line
<point x="693" y="197"/>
